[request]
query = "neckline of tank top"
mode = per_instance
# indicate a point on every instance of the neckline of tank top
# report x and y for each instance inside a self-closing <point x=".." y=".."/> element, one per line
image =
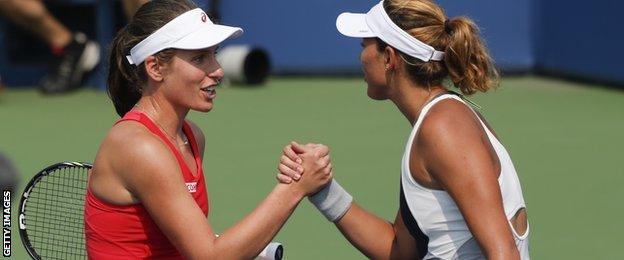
<point x="176" y="150"/>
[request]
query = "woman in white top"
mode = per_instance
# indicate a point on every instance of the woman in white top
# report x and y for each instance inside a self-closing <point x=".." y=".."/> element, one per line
<point x="460" y="195"/>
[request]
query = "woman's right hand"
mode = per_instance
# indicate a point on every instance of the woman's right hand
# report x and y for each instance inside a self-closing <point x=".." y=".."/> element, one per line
<point x="311" y="159"/>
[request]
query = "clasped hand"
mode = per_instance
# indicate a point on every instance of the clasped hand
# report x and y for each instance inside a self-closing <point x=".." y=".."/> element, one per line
<point x="306" y="166"/>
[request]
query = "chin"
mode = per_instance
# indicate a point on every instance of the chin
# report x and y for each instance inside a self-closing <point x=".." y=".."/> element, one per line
<point x="377" y="97"/>
<point x="204" y="108"/>
<point x="376" y="94"/>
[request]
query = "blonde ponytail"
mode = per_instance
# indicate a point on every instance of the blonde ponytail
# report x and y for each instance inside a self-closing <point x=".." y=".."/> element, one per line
<point x="467" y="62"/>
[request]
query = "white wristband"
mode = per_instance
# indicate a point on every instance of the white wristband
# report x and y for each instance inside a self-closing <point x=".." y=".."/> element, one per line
<point x="332" y="201"/>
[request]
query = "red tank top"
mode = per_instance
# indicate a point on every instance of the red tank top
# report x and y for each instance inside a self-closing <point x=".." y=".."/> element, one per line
<point x="128" y="232"/>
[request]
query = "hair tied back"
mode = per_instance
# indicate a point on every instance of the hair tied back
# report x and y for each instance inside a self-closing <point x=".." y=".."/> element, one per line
<point x="447" y="26"/>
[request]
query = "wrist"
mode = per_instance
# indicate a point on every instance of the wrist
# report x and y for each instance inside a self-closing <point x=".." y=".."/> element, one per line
<point x="291" y="192"/>
<point x="332" y="201"/>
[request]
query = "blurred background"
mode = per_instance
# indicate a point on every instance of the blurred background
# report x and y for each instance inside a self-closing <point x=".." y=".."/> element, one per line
<point x="559" y="111"/>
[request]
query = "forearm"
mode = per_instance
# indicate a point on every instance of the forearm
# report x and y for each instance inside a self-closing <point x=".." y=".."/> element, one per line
<point x="372" y="235"/>
<point x="251" y="235"/>
<point x="502" y="251"/>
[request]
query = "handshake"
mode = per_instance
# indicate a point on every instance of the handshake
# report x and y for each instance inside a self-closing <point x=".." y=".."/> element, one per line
<point x="308" y="169"/>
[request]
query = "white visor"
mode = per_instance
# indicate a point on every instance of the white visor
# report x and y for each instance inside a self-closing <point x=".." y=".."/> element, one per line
<point x="192" y="30"/>
<point x="376" y="23"/>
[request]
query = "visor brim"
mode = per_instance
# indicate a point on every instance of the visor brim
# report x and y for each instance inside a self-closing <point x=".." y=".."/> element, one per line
<point x="354" y="25"/>
<point x="207" y="37"/>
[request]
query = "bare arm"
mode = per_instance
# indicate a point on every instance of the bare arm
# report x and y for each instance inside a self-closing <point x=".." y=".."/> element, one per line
<point x="32" y="15"/>
<point x="458" y="155"/>
<point x="156" y="181"/>
<point x="373" y="236"/>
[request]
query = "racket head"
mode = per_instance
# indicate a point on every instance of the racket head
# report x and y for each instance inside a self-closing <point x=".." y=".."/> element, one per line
<point x="51" y="222"/>
<point x="279" y="252"/>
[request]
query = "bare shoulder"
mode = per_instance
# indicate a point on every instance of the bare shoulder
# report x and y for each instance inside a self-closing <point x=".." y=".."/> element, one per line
<point x="199" y="136"/>
<point x="450" y="120"/>
<point x="451" y="137"/>
<point x="139" y="155"/>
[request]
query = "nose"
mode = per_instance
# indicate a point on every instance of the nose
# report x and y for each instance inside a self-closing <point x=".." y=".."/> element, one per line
<point x="217" y="74"/>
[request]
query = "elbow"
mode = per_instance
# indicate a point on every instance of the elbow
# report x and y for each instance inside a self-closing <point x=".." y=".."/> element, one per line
<point x="207" y="250"/>
<point x="218" y="250"/>
<point x="503" y="252"/>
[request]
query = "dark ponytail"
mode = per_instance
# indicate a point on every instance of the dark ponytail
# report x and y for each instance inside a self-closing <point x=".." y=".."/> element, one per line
<point x="125" y="81"/>
<point x="466" y="62"/>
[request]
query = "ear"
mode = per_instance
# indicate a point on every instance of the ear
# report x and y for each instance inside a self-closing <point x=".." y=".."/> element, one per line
<point x="153" y="69"/>
<point x="391" y="59"/>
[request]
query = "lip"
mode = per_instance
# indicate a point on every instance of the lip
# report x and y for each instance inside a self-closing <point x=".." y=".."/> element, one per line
<point x="209" y="94"/>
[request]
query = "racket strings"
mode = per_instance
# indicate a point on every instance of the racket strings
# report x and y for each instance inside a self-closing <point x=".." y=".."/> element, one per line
<point x="54" y="214"/>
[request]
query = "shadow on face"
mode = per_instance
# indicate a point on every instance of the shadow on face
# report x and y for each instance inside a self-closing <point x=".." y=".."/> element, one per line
<point x="373" y="63"/>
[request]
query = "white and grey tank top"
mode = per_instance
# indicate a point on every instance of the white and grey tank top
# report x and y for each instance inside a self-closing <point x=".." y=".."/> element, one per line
<point x="433" y="218"/>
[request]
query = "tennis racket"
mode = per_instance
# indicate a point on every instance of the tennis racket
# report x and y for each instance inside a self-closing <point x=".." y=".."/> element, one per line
<point x="273" y="251"/>
<point x="51" y="212"/>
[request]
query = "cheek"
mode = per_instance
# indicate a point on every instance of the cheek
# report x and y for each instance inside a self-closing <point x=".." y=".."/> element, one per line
<point x="376" y="81"/>
<point x="370" y="63"/>
<point x="375" y="73"/>
<point x="185" y="73"/>
<point x="193" y="74"/>
<point x="184" y="81"/>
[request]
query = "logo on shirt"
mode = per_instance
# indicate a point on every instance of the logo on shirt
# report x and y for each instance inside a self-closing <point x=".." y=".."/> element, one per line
<point x="203" y="17"/>
<point x="191" y="186"/>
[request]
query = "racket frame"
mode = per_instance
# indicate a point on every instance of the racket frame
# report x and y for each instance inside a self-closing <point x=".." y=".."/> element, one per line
<point x="24" y="199"/>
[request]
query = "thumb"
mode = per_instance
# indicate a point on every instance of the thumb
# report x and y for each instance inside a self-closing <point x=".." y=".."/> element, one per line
<point x="298" y="148"/>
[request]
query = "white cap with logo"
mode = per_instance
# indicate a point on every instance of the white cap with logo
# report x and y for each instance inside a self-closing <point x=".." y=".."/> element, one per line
<point x="377" y="23"/>
<point x="191" y="30"/>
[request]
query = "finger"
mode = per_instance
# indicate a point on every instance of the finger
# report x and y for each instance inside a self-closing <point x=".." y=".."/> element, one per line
<point x="288" y="151"/>
<point x="323" y="162"/>
<point x="283" y="179"/>
<point x="288" y="172"/>
<point x="327" y="169"/>
<point x="327" y="157"/>
<point x="298" y="148"/>
<point x="291" y="164"/>
<point x="313" y="145"/>
<point x="322" y="150"/>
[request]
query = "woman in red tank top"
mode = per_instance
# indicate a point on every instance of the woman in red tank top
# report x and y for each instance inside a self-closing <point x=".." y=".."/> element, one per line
<point x="147" y="196"/>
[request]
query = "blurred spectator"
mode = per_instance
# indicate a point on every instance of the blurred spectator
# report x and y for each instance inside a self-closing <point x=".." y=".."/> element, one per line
<point x="9" y="179"/>
<point x="75" y="54"/>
